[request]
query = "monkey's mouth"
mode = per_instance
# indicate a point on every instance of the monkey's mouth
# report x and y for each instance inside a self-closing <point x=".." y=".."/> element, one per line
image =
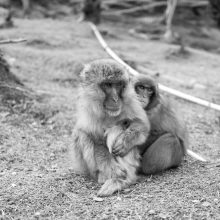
<point x="143" y="102"/>
<point x="113" y="113"/>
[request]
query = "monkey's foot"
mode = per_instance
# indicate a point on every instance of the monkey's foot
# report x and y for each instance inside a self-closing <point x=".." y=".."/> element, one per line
<point x="111" y="186"/>
<point x="102" y="178"/>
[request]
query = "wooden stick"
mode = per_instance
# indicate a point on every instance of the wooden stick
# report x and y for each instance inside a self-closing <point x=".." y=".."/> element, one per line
<point x="12" y="41"/>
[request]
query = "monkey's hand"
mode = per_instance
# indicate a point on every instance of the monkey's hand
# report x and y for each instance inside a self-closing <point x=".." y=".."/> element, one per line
<point x="117" y="181"/>
<point x="112" y="135"/>
<point x="110" y="186"/>
<point x="133" y="135"/>
<point x="121" y="145"/>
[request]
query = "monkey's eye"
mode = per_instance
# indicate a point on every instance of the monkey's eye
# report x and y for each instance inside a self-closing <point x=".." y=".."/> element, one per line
<point x="149" y="90"/>
<point x="107" y="85"/>
<point x="141" y="87"/>
<point x="144" y="90"/>
<point x="120" y="85"/>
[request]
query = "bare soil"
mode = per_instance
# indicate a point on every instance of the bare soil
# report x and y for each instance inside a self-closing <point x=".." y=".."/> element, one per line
<point x="36" y="180"/>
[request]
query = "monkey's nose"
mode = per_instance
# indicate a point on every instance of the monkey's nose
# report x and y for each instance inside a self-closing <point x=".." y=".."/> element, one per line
<point x="115" y="98"/>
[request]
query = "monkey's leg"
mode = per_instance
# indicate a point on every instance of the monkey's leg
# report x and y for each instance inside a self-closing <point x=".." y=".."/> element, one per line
<point x="115" y="185"/>
<point x="111" y="186"/>
<point x="77" y="163"/>
<point x="83" y="153"/>
<point x="103" y="161"/>
<point x="166" y="152"/>
<point x="123" y="174"/>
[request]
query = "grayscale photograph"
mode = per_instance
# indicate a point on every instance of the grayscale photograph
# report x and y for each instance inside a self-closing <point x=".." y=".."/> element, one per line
<point x="110" y="109"/>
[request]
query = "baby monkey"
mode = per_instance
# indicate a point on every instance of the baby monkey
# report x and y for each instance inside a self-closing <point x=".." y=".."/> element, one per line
<point x="168" y="138"/>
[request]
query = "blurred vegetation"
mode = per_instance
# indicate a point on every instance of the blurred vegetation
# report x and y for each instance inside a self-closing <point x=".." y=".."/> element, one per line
<point x="93" y="8"/>
<point x="215" y="7"/>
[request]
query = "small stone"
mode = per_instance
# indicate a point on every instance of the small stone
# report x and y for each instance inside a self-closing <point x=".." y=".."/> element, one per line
<point x="216" y="200"/>
<point x="37" y="213"/>
<point x="163" y="216"/>
<point x="13" y="185"/>
<point x="54" y="166"/>
<point x="150" y="196"/>
<point x="206" y="204"/>
<point x="119" y="198"/>
<point x="2" y="173"/>
<point x="4" y="114"/>
<point x="199" y="86"/>
<point x="11" y="60"/>
<point x="209" y="131"/>
<point x="196" y="201"/>
<point x="149" y="180"/>
<point x="98" y="199"/>
<point x="191" y="84"/>
<point x="2" y="214"/>
<point x="127" y="190"/>
<point x="151" y="212"/>
<point x="104" y="216"/>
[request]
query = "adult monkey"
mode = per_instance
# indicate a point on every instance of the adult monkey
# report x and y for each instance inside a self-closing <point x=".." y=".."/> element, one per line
<point x="106" y="97"/>
<point x="168" y="139"/>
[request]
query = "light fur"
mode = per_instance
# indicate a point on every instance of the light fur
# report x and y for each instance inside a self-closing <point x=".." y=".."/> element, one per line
<point x="90" y="153"/>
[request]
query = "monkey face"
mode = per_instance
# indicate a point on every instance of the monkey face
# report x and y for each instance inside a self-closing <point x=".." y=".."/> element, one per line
<point x="113" y="101"/>
<point x="144" y="93"/>
<point x="105" y="82"/>
<point x="147" y="92"/>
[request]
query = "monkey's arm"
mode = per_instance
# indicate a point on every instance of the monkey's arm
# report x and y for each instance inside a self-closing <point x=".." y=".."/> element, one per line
<point x="133" y="133"/>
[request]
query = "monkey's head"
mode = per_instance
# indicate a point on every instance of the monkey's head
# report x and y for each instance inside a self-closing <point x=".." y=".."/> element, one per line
<point x="105" y="83"/>
<point x="147" y="91"/>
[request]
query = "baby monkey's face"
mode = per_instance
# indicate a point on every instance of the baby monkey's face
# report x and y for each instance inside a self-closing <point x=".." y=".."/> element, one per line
<point x="146" y="89"/>
<point x="144" y="93"/>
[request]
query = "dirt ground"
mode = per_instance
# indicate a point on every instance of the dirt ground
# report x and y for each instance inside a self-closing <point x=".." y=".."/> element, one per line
<point x="36" y="180"/>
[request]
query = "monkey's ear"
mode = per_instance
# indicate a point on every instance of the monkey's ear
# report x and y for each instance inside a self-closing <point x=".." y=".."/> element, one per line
<point x="132" y="78"/>
<point x="83" y="73"/>
<point x="78" y="67"/>
<point x="154" y="99"/>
